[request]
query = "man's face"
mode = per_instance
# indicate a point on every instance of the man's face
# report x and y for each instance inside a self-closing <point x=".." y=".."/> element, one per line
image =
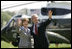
<point x="35" y="19"/>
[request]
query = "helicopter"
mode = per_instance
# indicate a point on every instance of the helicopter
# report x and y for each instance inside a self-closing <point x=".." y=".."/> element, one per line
<point x="59" y="30"/>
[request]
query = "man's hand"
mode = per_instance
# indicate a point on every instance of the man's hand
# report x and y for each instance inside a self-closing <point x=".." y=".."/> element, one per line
<point x="50" y="14"/>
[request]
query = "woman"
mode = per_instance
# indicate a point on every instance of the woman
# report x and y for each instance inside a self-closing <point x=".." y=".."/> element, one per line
<point x="24" y="33"/>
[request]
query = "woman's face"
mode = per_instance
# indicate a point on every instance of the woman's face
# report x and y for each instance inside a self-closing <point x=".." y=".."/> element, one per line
<point x="25" y="23"/>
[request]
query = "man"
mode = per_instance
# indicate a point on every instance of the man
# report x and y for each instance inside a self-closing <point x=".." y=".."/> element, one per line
<point x="38" y="31"/>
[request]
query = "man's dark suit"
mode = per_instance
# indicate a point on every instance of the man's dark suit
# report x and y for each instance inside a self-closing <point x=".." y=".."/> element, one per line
<point x="40" y="40"/>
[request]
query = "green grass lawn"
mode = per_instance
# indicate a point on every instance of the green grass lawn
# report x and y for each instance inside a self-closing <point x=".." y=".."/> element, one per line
<point x="9" y="45"/>
<point x="63" y="45"/>
<point x="6" y="45"/>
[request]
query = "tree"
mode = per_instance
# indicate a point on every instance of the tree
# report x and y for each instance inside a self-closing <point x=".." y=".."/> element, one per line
<point x="5" y="17"/>
<point x="10" y="13"/>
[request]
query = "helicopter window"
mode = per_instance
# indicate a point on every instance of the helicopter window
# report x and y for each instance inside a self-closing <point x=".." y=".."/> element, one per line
<point x="18" y="16"/>
<point x="12" y="23"/>
<point x="56" y="11"/>
<point x="60" y="11"/>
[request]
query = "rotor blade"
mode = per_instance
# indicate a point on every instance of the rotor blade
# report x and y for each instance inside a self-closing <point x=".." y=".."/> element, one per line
<point x="19" y="5"/>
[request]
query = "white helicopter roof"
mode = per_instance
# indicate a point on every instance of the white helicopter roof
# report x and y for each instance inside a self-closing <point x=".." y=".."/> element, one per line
<point x="65" y="5"/>
<point x="22" y="16"/>
<point x="25" y="16"/>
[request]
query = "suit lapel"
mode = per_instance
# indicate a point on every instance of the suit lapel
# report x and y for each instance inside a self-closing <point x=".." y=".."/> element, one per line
<point x="32" y="29"/>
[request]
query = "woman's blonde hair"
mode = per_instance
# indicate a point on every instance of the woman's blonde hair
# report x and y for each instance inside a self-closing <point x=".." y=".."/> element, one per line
<point x="25" y="19"/>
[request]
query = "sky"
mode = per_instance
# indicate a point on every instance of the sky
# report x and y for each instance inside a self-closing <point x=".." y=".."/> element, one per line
<point x="36" y="5"/>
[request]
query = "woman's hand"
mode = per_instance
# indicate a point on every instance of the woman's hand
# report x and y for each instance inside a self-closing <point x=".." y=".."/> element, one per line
<point x="19" y="22"/>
